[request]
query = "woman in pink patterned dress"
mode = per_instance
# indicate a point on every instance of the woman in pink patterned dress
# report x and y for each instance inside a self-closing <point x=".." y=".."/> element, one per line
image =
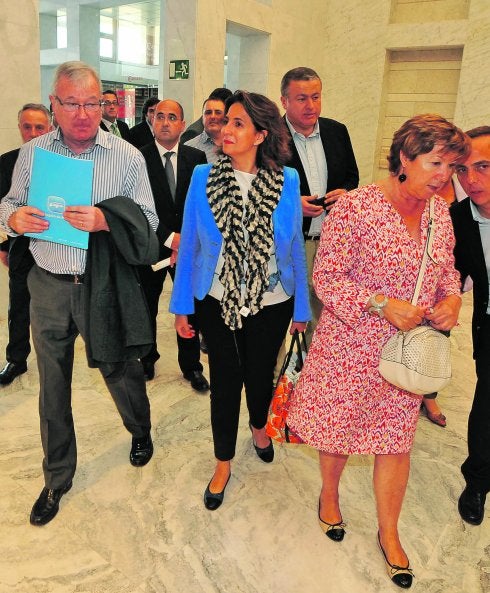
<point x="365" y="273"/>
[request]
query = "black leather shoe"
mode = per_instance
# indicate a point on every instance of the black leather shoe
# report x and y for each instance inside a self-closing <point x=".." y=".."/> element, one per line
<point x="141" y="451"/>
<point x="264" y="453"/>
<point x="197" y="379"/>
<point x="148" y="370"/>
<point x="471" y="505"/>
<point x="10" y="371"/>
<point x="47" y="505"/>
<point x="213" y="500"/>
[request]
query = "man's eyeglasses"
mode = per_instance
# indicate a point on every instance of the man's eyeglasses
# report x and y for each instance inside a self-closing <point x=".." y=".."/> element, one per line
<point x="72" y="107"/>
<point x="107" y="103"/>
<point x="162" y="117"/>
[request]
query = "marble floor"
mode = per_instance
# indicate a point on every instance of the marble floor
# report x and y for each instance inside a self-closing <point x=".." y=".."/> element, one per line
<point x="127" y="530"/>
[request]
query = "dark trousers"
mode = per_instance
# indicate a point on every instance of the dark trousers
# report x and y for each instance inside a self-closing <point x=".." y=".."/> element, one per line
<point x="58" y="311"/>
<point x="20" y="263"/>
<point x="188" y="350"/>
<point x="476" y="468"/>
<point x="245" y="357"/>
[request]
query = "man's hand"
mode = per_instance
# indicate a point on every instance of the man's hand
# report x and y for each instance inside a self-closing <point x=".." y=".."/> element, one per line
<point x="173" y="259"/>
<point x="332" y="197"/>
<point x="24" y="221"/>
<point x="175" y="242"/>
<point x="4" y="258"/>
<point x="310" y="209"/>
<point x="86" y="218"/>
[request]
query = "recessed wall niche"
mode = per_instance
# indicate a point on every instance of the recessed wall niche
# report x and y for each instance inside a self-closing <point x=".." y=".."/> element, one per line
<point x="424" y="11"/>
<point x="247" y="58"/>
<point x="416" y="81"/>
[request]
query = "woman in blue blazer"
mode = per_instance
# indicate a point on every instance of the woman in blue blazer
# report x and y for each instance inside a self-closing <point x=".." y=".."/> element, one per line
<point x="242" y="270"/>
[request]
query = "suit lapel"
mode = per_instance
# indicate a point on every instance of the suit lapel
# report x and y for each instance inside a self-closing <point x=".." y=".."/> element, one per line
<point x="161" y="187"/>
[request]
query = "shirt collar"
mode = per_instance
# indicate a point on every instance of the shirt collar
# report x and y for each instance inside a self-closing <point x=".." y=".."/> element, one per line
<point x="316" y="130"/>
<point x="162" y="150"/>
<point x="102" y="139"/>
<point x="205" y="138"/>
<point x="108" y="124"/>
<point x="477" y="217"/>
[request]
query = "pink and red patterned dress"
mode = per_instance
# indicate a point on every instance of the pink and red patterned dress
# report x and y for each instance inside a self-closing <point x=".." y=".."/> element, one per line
<point x="341" y="403"/>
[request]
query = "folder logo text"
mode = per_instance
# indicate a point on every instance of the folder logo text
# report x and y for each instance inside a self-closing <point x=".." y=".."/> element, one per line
<point x="56" y="205"/>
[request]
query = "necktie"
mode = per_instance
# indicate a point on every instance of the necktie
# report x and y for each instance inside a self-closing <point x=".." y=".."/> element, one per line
<point x="115" y="129"/>
<point x="169" y="172"/>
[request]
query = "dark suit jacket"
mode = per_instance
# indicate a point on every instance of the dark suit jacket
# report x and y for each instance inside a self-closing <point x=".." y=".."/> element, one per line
<point x="470" y="261"/>
<point x="123" y="128"/>
<point x="341" y="162"/>
<point x="17" y="247"/>
<point x="170" y="213"/>
<point x="140" y="134"/>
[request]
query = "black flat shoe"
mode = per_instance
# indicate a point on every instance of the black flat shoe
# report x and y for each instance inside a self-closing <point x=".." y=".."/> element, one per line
<point x="471" y="505"/>
<point x="10" y="371"/>
<point x="264" y="453"/>
<point x="197" y="380"/>
<point x="334" y="531"/>
<point x="401" y="576"/>
<point x="141" y="450"/>
<point x="47" y="505"/>
<point x="213" y="500"/>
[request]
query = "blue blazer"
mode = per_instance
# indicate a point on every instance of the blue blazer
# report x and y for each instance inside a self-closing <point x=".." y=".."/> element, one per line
<point x="200" y="246"/>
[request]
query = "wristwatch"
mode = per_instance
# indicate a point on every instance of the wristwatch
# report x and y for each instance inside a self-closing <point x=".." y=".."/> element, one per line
<point x="376" y="307"/>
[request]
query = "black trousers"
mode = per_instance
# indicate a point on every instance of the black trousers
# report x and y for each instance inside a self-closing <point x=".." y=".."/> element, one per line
<point x="244" y="357"/>
<point x="188" y="349"/>
<point x="476" y="468"/>
<point x="57" y="318"/>
<point x="20" y="263"/>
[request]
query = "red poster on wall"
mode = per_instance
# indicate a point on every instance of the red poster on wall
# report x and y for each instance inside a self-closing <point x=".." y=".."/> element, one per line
<point x="126" y="99"/>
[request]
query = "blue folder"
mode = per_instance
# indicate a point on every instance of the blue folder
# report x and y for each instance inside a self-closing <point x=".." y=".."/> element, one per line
<point x="58" y="181"/>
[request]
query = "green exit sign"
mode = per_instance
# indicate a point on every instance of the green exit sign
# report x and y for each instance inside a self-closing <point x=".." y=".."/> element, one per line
<point x="178" y="69"/>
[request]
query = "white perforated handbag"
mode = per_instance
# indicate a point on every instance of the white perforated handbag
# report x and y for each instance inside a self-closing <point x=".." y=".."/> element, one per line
<point x="418" y="360"/>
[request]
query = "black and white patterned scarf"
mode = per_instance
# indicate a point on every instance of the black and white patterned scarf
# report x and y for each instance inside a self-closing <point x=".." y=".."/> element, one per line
<point x="243" y="260"/>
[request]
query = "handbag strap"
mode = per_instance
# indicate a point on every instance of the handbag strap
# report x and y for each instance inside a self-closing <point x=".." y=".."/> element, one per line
<point x="427" y="250"/>
<point x="298" y="340"/>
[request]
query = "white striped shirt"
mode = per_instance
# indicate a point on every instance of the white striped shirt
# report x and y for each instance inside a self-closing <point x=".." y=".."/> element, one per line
<point x="119" y="170"/>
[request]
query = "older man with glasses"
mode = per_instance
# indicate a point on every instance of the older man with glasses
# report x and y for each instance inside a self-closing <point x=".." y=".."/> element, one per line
<point x="94" y="293"/>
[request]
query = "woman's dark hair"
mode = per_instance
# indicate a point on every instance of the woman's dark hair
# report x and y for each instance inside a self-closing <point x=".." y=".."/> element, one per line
<point x="420" y="134"/>
<point x="274" y="151"/>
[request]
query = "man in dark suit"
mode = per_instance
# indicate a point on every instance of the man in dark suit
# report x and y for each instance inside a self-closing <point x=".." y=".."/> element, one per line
<point x="170" y="166"/>
<point x="323" y="156"/>
<point x="142" y="133"/>
<point x="34" y="120"/>
<point x="471" y="221"/>
<point x="109" y="121"/>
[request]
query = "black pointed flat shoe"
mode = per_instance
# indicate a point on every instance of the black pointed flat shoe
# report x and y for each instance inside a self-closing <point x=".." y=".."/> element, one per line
<point x="213" y="500"/>
<point x="264" y="453"/>
<point x="400" y="575"/>
<point x="334" y="531"/>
